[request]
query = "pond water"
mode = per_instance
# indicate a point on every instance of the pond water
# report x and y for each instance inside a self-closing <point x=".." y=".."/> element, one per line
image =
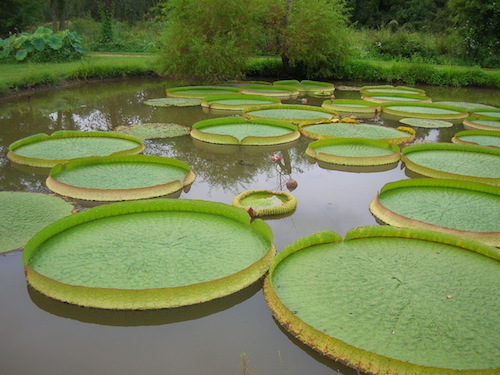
<point x="233" y="335"/>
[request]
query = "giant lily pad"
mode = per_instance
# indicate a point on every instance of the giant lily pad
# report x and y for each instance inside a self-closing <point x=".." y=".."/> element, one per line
<point x="352" y="106"/>
<point x="42" y="150"/>
<point x="114" y="178"/>
<point x="265" y="202"/>
<point x="424" y="110"/>
<point x="24" y="214"/>
<point x="426" y="123"/>
<point x="468" y="105"/>
<point x="478" y="137"/>
<point x="237" y="130"/>
<point x="283" y="92"/>
<point x="153" y="130"/>
<point x="351" y="130"/>
<point x="173" y="102"/>
<point x="388" y="89"/>
<point x="318" y="88"/>
<point x="148" y="254"/>
<point x="377" y="97"/>
<point x="461" y="208"/>
<point x="452" y="161"/>
<point x="295" y="114"/>
<point x="487" y="112"/>
<point x="237" y="102"/>
<point x="199" y="92"/>
<point x="482" y="123"/>
<point x="353" y="151"/>
<point x="391" y="300"/>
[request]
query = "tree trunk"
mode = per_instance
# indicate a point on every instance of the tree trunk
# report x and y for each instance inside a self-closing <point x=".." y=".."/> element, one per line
<point x="53" y="14"/>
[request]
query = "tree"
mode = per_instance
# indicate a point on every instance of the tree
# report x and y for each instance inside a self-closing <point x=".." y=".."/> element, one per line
<point x="18" y="15"/>
<point x="478" y="22"/>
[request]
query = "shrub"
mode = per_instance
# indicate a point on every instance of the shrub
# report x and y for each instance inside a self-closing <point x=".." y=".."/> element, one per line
<point x="42" y="46"/>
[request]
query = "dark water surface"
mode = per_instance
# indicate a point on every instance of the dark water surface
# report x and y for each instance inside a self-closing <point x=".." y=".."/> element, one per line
<point x="45" y="337"/>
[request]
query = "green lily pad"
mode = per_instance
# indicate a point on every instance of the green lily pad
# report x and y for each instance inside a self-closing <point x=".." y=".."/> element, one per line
<point x="283" y="92"/>
<point x="153" y="130"/>
<point x="482" y="123"/>
<point x="354" y="151"/>
<point x="237" y="102"/>
<point x="452" y="161"/>
<point x="173" y="102"/>
<point x="426" y="123"/>
<point x="460" y="208"/>
<point x="424" y="110"/>
<point x="199" y="92"/>
<point x="388" y="89"/>
<point x="265" y="202"/>
<point x="293" y="113"/>
<point x="468" y="105"/>
<point x="24" y="214"/>
<point x="237" y="130"/>
<point x="291" y="83"/>
<point x="377" y="97"/>
<point x="351" y="130"/>
<point x="488" y="112"/>
<point x="42" y="150"/>
<point x="352" y="106"/>
<point x="148" y="254"/>
<point x="391" y="300"/>
<point x="478" y="137"/>
<point x="115" y="178"/>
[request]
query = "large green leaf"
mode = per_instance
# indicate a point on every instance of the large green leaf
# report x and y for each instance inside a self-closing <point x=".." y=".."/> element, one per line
<point x="149" y="254"/>
<point x="199" y="92"/>
<point x="153" y="130"/>
<point x="478" y="137"/>
<point x="424" y="110"/>
<point x="237" y="101"/>
<point x="352" y="106"/>
<point x="461" y="208"/>
<point x="24" y="214"/>
<point x="284" y="92"/>
<point x="114" y="178"/>
<point x="38" y="42"/>
<point x="391" y="301"/>
<point x="296" y="114"/>
<point x="387" y="89"/>
<point x="55" y="42"/>
<point x="173" y="102"/>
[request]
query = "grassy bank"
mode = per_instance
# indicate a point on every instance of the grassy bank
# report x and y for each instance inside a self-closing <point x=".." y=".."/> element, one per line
<point x="17" y="77"/>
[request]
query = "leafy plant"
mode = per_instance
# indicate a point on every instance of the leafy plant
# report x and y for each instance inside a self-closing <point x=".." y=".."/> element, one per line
<point x="42" y="46"/>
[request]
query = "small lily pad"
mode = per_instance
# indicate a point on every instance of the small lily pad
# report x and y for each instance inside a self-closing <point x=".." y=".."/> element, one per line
<point x="173" y="102"/>
<point x="153" y="130"/>
<point x="265" y="202"/>
<point x="426" y="123"/>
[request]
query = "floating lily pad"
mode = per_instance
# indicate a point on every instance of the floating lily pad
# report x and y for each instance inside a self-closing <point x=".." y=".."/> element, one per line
<point x="452" y="161"/>
<point x="349" y="130"/>
<point x="295" y="114"/>
<point x="352" y="106"/>
<point x="317" y="88"/>
<point x="354" y="151"/>
<point x="482" y="123"/>
<point x="291" y="83"/>
<point x="283" y="92"/>
<point x="237" y="130"/>
<point x="426" y="123"/>
<point x="173" y="102"/>
<point x="153" y="130"/>
<point x="42" y="150"/>
<point x="393" y="97"/>
<point x="237" y="102"/>
<point x="488" y="112"/>
<point x="265" y="202"/>
<point x="478" y="137"/>
<point x="424" y="110"/>
<point x="199" y="92"/>
<point x="456" y="207"/>
<point x="24" y="214"/>
<point x="391" y="300"/>
<point x="387" y="89"/>
<point x="148" y="254"/>
<point x="115" y="178"/>
<point x="466" y="105"/>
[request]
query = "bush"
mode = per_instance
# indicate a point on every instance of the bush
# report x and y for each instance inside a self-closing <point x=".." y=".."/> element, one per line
<point x="42" y="46"/>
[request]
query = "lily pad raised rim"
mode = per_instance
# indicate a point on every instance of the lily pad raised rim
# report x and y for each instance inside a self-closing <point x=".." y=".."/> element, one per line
<point x="303" y="128"/>
<point x="172" y="102"/>
<point x="49" y="163"/>
<point x="392" y="218"/>
<point x="154" y="298"/>
<point x="459" y="113"/>
<point x="373" y="89"/>
<point x="375" y="98"/>
<point x="198" y="133"/>
<point x="283" y="92"/>
<point x="289" y="202"/>
<point x="481" y="112"/>
<point x="352" y="105"/>
<point x="423" y="123"/>
<point x="354" y="160"/>
<point x="217" y="101"/>
<point x="188" y="91"/>
<point x="430" y="172"/>
<point x="457" y="137"/>
<point x="339" y="350"/>
<point x="95" y="194"/>
<point x="471" y="122"/>
<point x="293" y="106"/>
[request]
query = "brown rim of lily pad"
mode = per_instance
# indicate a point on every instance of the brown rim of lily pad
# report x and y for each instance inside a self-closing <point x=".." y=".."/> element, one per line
<point x="354" y="151"/>
<point x="82" y="187"/>
<point x="462" y="190"/>
<point x="265" y="202"/>
<point x="343" y="298"/>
